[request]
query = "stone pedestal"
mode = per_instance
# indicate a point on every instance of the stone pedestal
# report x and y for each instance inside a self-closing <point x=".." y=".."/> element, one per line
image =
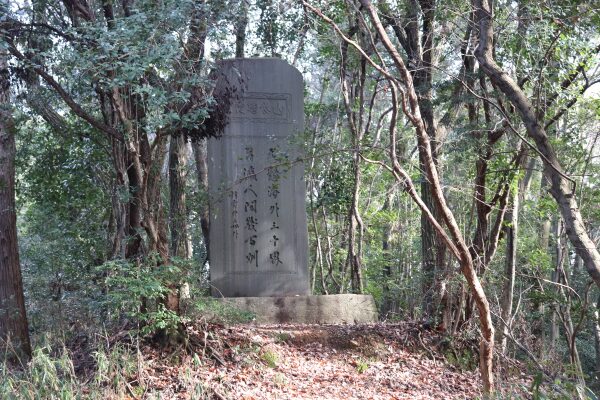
<point x="330" y="309"/>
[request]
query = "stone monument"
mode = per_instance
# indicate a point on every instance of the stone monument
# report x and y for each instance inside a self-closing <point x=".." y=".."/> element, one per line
<point x="258" y="232"/>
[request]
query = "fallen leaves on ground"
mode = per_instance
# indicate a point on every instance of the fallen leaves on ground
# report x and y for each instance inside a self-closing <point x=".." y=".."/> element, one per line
<point x="377" y="361"/>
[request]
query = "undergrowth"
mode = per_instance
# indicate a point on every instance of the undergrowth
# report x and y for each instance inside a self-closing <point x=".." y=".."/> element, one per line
<point x="78" y="363"/>
<point x="51" y="375"/>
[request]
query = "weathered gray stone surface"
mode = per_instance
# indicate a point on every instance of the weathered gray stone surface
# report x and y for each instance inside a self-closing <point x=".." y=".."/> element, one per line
<point x="331" y="309"/>
<point x="258" y="233"/>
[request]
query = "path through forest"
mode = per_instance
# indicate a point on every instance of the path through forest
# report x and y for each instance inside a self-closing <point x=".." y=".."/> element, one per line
<point x="381" y="361"/>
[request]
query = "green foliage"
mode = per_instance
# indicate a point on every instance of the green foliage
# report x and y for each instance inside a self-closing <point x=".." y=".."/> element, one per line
<point x="63" y="206"/>
<point x="559" y="390"/>
<point x="336" y="194"/>
<point x="140" y="51"/>
<point x="362" y="366"/>
<point x="283" y="337"/>
<point x="270" y="358"/>
<point x="138" y="291"/>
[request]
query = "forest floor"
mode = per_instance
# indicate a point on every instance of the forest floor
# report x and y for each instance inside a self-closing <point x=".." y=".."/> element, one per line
<point x="378" y="361"/>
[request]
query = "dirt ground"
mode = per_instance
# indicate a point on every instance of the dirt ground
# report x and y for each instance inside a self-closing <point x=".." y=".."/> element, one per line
<point x="378" y="361"/>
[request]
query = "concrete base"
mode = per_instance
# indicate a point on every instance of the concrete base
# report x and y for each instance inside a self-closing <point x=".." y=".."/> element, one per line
<point x="330" y="309"/>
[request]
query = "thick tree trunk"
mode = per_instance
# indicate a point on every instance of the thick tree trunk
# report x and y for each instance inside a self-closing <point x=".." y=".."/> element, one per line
<point x="180" y="246"/>
<point x="14" y="332"/>
<point x="118" y="234"/>
<point x="196" y="46"/>
<point x="561" y="187"/>
<point x="433" y="250"/>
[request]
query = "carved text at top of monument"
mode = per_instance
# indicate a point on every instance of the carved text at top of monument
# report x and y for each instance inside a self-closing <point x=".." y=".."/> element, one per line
<point x="262" y="106"/>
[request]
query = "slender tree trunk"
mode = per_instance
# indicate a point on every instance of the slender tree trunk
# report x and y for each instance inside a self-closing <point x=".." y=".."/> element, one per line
<point x="564" y="312"/>
<point x="352" y="95"/>
<point x="14" y="332"/>
<point x="200" y="158"/>
<point x="509" y="273"/>
<point x="240" y="29"/>
<point x="539" y="326"/>
<point x="313" y="190"/>
<point x="512" y="235"/>
<point x="596" y="324"/>
<point x="329" y="250"/>
<point x="389" y="302"/>
<point x="557" y="259"/>
<point x="355" y="231"/>
<point x="178" y="210"/>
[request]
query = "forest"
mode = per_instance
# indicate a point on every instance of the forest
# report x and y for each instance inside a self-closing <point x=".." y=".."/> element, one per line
<point x="451" y="157"/>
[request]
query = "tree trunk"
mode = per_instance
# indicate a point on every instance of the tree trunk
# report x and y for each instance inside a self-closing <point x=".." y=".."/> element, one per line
<point x="353" y="94"/>
<point x="240" y="29"/>
<point x="178" y="211"/>
<point x="134" y="216"/>
<point x="558" y="260"/>
<point x="118" y="235"/>
<point x="14" y="332"/>
<point x="538" y="328"/>
<point x="388" y="307"/>
<point x="510" y="270"/>
<point x="200" y="157"/>
<point x="433" y="251"/>
<point x="180" y="246"/>
<point x="197" y="43"/>
<point x="561" y="187"/>
<point x="418" y="45"/>
<point x="596" y="324"/>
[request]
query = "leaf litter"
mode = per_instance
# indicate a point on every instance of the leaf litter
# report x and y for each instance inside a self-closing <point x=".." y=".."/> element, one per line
<point x="374" y="361"/>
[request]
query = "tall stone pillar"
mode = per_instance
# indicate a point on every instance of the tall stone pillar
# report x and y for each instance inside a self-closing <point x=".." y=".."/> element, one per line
<point x="258" y="231"/>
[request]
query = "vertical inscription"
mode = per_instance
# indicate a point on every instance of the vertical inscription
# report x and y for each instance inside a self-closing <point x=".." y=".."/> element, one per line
<point x="249" y="180"/>
<point x="257" y="203"/>
<point x="274" y="179"/>
<point x="235" y="226"/>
